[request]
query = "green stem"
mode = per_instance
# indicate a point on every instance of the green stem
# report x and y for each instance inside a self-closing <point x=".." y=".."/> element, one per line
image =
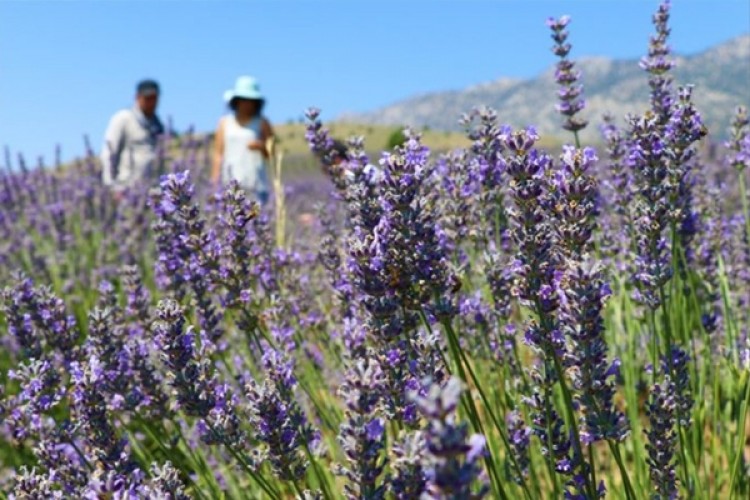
<point x="167" y="453"/>
<point x="321" y="478"/>
<point x="629" y="491"/>
<point x="731" y="321"/>
<point x="200" y="465"/>
<point x="300" y="495"/>
<point x="745" y="205"/>
<point x="654" y="346"/>
<point x="571" y="416"/>
<point x="715" y="464"/>
<point x="474" y="413"/>
<point x="550" y="445"/>
<point x="667" y="330"/>
<point x="257" y="477"/>
<point x="452" y="339"/>
<point x="81" y="455"/>
<point x="324" y="417"/>
<point x="683" y="458"/>
<point x="740" y="439"/>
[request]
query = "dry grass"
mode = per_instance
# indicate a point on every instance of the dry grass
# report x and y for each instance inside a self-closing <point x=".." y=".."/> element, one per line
<point x="291" y="137"/>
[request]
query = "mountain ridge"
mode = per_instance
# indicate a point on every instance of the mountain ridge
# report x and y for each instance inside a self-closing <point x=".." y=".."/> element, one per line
<point x="720" y="74"/>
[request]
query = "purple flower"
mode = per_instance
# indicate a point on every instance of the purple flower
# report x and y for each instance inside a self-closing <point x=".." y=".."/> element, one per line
<point x="104" y="484"/>
<point x="106" y="449"/>
<point x="570" y="91"/>
<point x="32" y="483"/>
<point x="166" y="483"/>
<point x="575" y="194"/>
<point x="408" y="480"/>
<point x="658" y="64"/>
<point x="323" y="146"/>
<point x="452" y="465"/>
<point x="193" y="378"/>
<point x="739" y="144"/>
<point x="662" y="439"/>
<point x="519" y="437"/>
<point x="40" y="392"/>
<point x="616" y="197"/>
<point x="652" y="264"/>
<point x="591" y="372"/>
<point x="480" y="179"/>
<point x="557" y="447"/>
<point x="500" y="277"/>
<point x="682" y="133"/>
<point x="362" y="435"/>
<point x="676" y="365"/>
<point x="243" y="262"/>
<point x="535" y="269"/>
<point x="188" y="253"/>
<point x="38" y="318"/>
<point x="363" y="185"/>
<point x="20" y="324"/>
<point x="477" y="444"/>
<point x="401" y="266"/>
<point x="375" y="429"/>
<point x="116" y="356"/>
<point x="279" y="421"/>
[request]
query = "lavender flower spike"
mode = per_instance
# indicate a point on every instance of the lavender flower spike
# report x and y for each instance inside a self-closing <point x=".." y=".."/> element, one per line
<point x="591" y="372"/>
<point x="519" y="435"/>
<point x="323" y="146"/>
<point x="658" y="64"/>
<point x="105" y="448"/>
<point x="678" y="368"/>
<point x="166" y="483"/>
<point x="571" y="102"/>
<point x="193" y="378"/>
<point x="575" y="204"/>
<point x="739" y="144"/>
<point x="453" y="461"/>
<point x="662" y="439"/>
<point x="647" y="159"/>
<point x="362" y="435"/>
<point x="408" y="480"/>
<point x="280" y="422"/>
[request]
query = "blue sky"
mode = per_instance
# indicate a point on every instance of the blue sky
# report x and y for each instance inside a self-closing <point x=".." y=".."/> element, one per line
<point x="66" y="66"/>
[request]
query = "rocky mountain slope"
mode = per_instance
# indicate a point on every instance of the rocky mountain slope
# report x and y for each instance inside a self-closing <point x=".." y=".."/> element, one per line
<point x="721" y="76"/>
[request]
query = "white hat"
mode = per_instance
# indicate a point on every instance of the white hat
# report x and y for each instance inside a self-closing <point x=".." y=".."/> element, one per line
<point x="246" y="87"/>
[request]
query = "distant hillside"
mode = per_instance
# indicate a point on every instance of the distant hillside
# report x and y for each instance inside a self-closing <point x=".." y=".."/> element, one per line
<point x="299" y="160"/>
<point x="292" y="136"/>
<point x="721" y="76"/>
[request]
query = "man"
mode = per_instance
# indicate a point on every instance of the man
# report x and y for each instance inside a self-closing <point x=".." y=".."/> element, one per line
<point x="129" y="154"/>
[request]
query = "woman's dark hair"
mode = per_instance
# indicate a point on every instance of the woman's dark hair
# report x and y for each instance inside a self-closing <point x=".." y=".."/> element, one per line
<point x="234" y="100"/>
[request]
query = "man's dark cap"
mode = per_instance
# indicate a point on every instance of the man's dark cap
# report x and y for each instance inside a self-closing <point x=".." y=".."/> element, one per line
<point x="147" y="87"/>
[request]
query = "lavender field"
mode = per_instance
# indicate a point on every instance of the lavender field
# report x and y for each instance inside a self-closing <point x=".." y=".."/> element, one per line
<point x="498" y="321"/>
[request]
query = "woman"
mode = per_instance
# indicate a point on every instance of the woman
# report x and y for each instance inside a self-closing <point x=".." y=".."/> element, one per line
<point x="240" y="142"/>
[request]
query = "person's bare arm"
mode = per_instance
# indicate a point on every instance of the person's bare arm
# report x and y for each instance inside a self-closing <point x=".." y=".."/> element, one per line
<point x="112" y="149"/>
<point x="218" y="152"/>
<point x="266" y="132"/>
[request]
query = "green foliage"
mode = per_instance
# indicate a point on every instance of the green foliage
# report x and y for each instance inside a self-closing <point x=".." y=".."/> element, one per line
<point x="397" y="138"/>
